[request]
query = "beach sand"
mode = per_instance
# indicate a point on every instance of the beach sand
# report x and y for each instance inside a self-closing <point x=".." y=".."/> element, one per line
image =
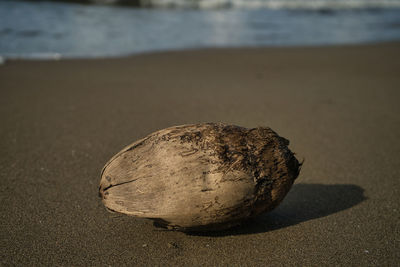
<point x="339" y="106"/>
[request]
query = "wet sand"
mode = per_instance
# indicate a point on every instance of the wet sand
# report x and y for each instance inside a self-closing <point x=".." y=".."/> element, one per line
<point x="339" y="106"/>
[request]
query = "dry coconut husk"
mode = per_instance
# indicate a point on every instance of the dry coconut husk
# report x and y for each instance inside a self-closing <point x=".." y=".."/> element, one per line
<point x="197" y="177"/>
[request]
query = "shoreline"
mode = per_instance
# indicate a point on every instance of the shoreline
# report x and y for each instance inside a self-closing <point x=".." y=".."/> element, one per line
<point x="55" y="56"/>
<point x="338" y="106"/>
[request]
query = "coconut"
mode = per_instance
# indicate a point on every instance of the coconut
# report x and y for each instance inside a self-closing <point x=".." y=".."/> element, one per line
<point x="197" y="177"/>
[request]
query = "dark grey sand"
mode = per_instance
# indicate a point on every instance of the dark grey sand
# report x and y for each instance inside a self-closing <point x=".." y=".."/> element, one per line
<point x="339" y="107"/>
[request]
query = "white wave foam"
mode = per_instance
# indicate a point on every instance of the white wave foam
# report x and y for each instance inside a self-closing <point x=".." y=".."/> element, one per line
<point x="32" y="56"/>
<point x="275" y="4"/>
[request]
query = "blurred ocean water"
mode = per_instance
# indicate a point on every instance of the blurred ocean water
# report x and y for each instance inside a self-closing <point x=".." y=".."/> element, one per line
<point x="48" y="29"/>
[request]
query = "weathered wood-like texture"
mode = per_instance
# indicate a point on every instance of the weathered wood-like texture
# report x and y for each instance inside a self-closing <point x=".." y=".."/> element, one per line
<point x="200" y="176"/>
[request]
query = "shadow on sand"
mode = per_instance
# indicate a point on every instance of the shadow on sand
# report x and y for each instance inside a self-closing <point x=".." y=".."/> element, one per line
<point x="304" y="202"/>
